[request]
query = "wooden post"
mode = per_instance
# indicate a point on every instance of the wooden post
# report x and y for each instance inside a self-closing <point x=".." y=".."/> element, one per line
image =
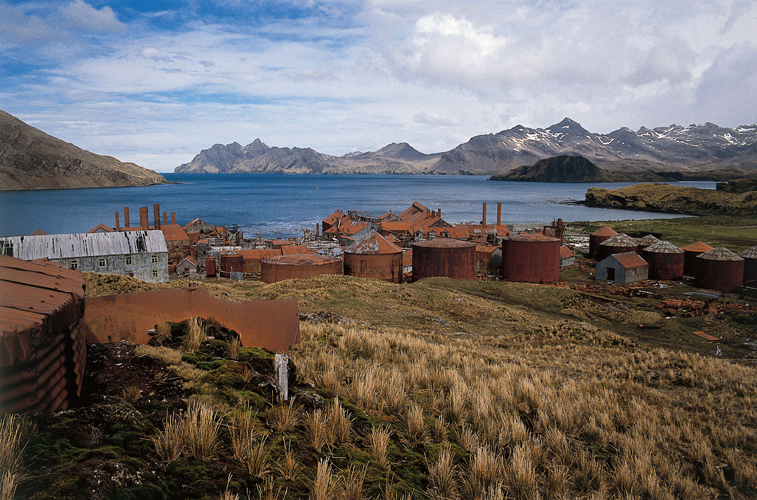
<point x="281" y="372"/>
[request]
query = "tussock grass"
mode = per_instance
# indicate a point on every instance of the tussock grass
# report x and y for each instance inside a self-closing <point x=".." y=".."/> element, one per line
<point x="323" y="487"/>
<point x="232" y="348"/>
<point x="338" y="424"/>
<point x="379" y="444"/>
<point x="15" y="432"/>
<point x="169" y="442"/>
<point x="315" y="425"/>
<point x="289" y="466"/>
<point x="196" y="335"/>
<point x="201" y="428"/>
<point x="283" y="417"/>
<point x="131" y="394"/>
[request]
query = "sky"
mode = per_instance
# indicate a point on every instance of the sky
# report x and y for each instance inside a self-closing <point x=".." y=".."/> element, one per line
<point x="154" y="82"/>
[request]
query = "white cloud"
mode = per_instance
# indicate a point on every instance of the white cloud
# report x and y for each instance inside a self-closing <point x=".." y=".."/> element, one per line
<point x="80" y="15"/>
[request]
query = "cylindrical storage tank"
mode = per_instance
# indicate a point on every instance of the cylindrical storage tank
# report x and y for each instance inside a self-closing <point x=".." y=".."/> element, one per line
<point x="297" y="266"/>
<point x="597" y="237"/>
<point x="444" y="257"/>
<point x="750" y="266"/>
<point x="719" y="269"/>
<point x="374" y="257"/>
<point x="665" y="261"/>
<point x="690" y="257"/>
<point x="533" y="258"/>
<point x="210" y="266"/>
<point x="620" y="243"/>
<point x="647" y="241"/>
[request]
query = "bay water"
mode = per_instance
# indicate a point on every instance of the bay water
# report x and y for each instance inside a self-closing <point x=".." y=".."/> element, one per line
<point x="284" y="205"/>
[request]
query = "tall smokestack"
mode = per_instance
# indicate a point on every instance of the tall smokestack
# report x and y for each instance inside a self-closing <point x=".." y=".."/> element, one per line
<point x="173" y="217"/>
<point x="156" y="214"/>
<point x="144" y="218"/>
<point x="499" y="214"/>
<point x="126" y="217"/>
<point x="118" y="224"/>
<point x="165" y="218"/>
<point x="483" y="221"/>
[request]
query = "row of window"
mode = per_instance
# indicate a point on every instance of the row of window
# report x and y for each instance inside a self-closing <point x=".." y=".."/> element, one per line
<point x="103" y="262"/>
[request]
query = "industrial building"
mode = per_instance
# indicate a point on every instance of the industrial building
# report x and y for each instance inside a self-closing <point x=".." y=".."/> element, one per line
<point x="622" y="268"/>
<point x="531" y="258"/>
<point x="374" y="257"/>
<point x="139" y="254"/>
<point x="719" y="269"/>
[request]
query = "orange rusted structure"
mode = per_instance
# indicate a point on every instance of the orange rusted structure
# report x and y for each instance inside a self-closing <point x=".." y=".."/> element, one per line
<point x="42" y="347"/>
<point x="298" y="266"/>
<point x="272" y="324"/>
<point x="374" y="257"/>
<point x="445" y="258"/>
<point x="690" y="257"/>
<point x="665" y="261"/>
<point x="719" y="269"/>
<point x="532" y="258"/>
<point x="597" y="237"/>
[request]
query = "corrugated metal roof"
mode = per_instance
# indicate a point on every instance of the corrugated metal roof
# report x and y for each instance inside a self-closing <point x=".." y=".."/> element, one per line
<point x="604" y="231"/>
<point x="486" y="249"/>
<point x="663" y="247"/>
<point x="566" y="252"/>
<point x="174" y="232"/>
<point x="620" y="240"/>
<point x="629" y="259"/>
<point x="295" y="249"/>
<point x="720" y="253"/>
<point x="648" y="241"/>
<point x="749" y="253"/>
<point x="444" y="243"/>
<point x="697" y="247"/>
<point x="68" y="246"/>
<point x="373" y="244"/>
<point x="532" y="237"/>
<point x="300" y="259"/>
<point x="250" y="255"/>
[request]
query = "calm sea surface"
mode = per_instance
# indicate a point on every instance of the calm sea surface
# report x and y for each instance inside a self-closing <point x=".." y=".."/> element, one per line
<point x="284" y="205"/>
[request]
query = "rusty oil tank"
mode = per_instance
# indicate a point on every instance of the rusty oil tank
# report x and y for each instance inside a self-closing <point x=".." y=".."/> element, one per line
<point x="690" y="257"/>
<point x="299" y="266"/>
<point x="532" y="258"/>
<point x="665" y="261"/>
<point x="210" y="266"/>
<point x="750" y="266"/>
<point x="620" y="243"/>
<point x="719" y="269"/>
<point x="647" y="241"/>
<point x="444" y="257"/>
<point x="374" y="257"/>
<point x="597" y="237"/>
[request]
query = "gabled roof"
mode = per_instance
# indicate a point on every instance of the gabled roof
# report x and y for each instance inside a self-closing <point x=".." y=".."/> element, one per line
<point x="334" y="217"/>
<point x="373" y="244"/>
<point x="628" y="260"/>
<point x="397" y="227"/>
<point x="98" y="228"/>
<point x="67" y="246"/>
<point x="566" y="252"/>
<point x="257" y="254"/>
<point x="486" y="249"/>
<point x="174" y="232"/>
<point x="39" y="231"/>
<point x="189" y="259"/>
<point x="348" y="229"/>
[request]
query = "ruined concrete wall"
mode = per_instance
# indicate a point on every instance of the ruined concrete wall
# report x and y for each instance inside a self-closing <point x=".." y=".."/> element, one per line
<point x="272" y="324"/>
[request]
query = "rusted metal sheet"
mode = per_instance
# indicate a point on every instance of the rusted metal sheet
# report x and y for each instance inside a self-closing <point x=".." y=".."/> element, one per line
<point x="666" y="261"/>
<point x="272" y="324"/>
<point x="444" y="257"/>
<point x="532" y="258"/>
<point x="280" y="268"/>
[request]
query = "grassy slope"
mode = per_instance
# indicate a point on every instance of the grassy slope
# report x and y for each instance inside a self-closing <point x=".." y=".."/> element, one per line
<point x="526" y="389"/>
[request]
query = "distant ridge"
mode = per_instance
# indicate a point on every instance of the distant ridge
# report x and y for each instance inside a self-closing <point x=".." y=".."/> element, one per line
<point x="32" y="159"/>
<point x="697" y="151"/>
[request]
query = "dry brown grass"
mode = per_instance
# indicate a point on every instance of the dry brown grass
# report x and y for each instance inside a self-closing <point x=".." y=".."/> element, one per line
<point x="232" y="348"/>
<point x="338" y="424"/>
<point x="289" y="466"/>
<point x="196" y="335"/>
<point x="416" y="427"/>
<point x="15" y="432"/>
<point x="442" y="477"/>
<point x="378" y="443"/>
<point x="169" y="443"/>
<point x="351" y="483"/>
<point x="269" y="491"/>
<point x="315" y="429"/>
<point x="323" y="487"/>
<point x="131" y="394"/>
<point x="283" y="417"/>
<point x="201" y="427"/>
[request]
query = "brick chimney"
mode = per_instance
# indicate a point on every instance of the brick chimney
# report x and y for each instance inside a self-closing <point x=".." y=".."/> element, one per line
<point x="483" y="220"/>
<point x="499" y="214"/>
<point x="144" y="218"/>
<point x="126" y="217"/>
<point x="173" y="217"/>
<point x="165" y="218"/>
<point x="118" y="224"/>
<point x="156" y="214"/>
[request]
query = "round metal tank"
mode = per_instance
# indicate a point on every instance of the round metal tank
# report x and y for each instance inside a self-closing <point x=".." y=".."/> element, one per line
<point x="750" y="266"/>
<point x="620" y="243"/>
<point x="444" y="257"/>
<point x="665" y="261"/>
<point x="374" y="257"/>
<point x="647" y="241"/>
<point x="533" y="258"/>
<point x="690" y="257"/>
<point x="597" y="237"/>
<point x="719" y="269"/>
<point x="297" y="266"/>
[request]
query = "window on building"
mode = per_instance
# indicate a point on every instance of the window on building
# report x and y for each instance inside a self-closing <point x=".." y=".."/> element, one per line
<point x="74" y="264"/>
<point x="154" y="273"/>
<point x="127" y="260"/>
<point x="102" y="262"/>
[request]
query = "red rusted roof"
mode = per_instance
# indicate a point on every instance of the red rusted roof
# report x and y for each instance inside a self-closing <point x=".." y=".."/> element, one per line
<point x="373" y="244"/>
<point x="397" y="227"/>
<point x="39" y="231"/>
<point x="174" y="232"/>
<point x="566" y="252"/>
<point x="407" y="257"/>
<point x="721" y="254"/>
<point x="697" y="247"/>
<point x="189" y="259"/>
<point x="604" y="231"/>
<point x="348" y="229"/>
<point x="486" y="249"/>
<point x="461" y="232"/>
<point x="629" y="259"/>
<point x="295" y="249"/>
<point x="663" y="247"/>
<point x="531" y="237"/>
<point x="333" y="218"/>
<point x="444" y="243"/>
<point x="250" y="255"/>
<point x="101" y="227"/>
<point x="300" y="259"/>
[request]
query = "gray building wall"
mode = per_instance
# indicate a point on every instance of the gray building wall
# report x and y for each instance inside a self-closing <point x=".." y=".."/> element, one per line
<point x="610" y="269"/>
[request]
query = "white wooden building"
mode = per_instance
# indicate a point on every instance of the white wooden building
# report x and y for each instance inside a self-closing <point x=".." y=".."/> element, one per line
<point x="141" y="254"/>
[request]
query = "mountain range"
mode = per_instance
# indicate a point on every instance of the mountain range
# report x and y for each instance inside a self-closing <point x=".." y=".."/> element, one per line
<point x="692" y="149"/>
<point x="32" y="159"/>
